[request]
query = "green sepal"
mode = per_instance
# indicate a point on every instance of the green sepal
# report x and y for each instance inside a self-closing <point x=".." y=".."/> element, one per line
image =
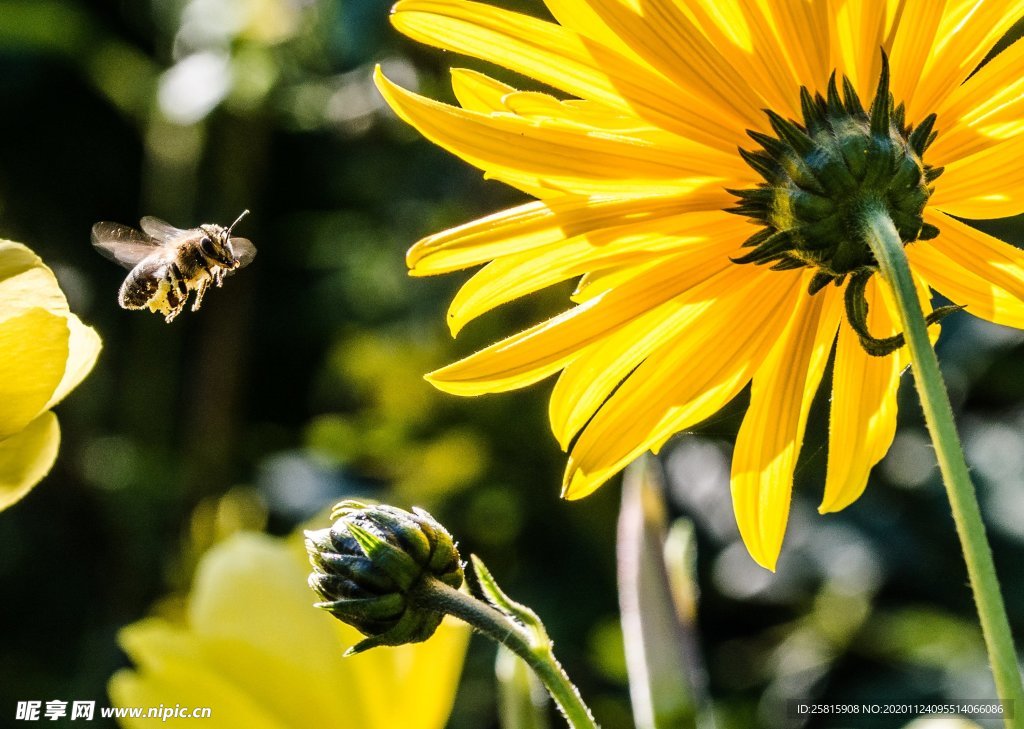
<point x="359" y="609"/>
<point x="388" y="558"/>
<point x="408" y="533"/>
<point x="857" y="315"/>
<point x="494" y="594"/>
<point x="819" y="281"/>
<point x="360" y="570"/>
<point x="922" y="136"/>
<point x="851" y="99"/>
<point x="881" y="107"/>
<point x="796" y="137"/>
<point x="415" y="626"/>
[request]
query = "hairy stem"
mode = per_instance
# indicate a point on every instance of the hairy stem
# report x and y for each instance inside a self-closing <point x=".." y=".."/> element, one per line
<point x="888" y="249"/>
<point x="436" y="595"/>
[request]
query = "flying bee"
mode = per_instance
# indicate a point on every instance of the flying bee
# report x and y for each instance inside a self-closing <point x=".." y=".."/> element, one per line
<point x="168" y="263"/>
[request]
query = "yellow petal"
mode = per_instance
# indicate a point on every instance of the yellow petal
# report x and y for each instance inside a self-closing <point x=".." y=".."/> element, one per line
<point x="858" y="32"/>
<point x="868" y="415"/>
<point x="691" y="375"/>
<point x="26" y="283"/>
<point x="667" y="39"/>
<point x="802" y="30"/>
<point x="16" y="259"/>
<point x="537" y="224"/>
<point x="584" y="163"/>
<point x="596" y="283"/>
<point x="84" y="346"/>
<point x="967" y="32"/>
<point x="985" y="110"/>
<point x="174" y="670"/>
<point x="517" y="275"/>
<point x="557" y="56"/>
<point x="772" y="432"/>
<point x="476" y="91"/>
<point x="421" y="679"/>
<point x="543" y="349"/>
<point x="35" y="351"/>
<point x="26" y="457"/>
<point x="970" y="287"/>
<point x="588" y="381"/>
<point x="254" y="570"/>
<point x="912" y="45"/>
<point x="983" y="185"/>
<point x="999" y="263"/>
<point x="577" y="15"/>
<point x="862" y="419"/>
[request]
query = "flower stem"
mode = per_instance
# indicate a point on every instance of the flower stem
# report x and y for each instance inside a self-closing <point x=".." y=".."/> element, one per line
<point x="892" y="259"/>
<point x="436" y="595"/>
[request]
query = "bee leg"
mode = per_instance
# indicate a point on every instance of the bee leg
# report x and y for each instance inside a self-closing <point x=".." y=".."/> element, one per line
<point x="218" y="276"/>
<point x="200" y="290"/>
<point x="175" y="307"/>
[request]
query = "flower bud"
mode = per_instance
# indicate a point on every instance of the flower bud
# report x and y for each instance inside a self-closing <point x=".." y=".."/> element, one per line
<point x="369" y="563"/>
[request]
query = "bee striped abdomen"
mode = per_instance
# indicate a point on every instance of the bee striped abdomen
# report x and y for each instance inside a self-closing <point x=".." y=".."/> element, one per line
<point x="155" y="285"/>
<point x="143" y="284"/>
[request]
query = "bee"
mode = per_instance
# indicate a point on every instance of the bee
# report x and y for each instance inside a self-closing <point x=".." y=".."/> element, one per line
<point x="168" y="263"/>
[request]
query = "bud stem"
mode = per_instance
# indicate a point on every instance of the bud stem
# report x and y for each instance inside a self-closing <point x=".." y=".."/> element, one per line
<point x="885" y="243"/>
<point x="433" y="594"/>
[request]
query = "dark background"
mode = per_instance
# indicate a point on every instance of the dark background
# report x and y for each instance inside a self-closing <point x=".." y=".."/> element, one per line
<point x="299" y="383"/>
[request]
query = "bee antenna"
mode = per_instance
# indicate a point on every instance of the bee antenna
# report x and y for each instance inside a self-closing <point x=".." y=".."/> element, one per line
<point x="237" y="220"/>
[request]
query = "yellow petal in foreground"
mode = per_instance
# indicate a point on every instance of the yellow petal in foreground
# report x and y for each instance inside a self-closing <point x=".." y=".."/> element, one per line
<point x="773" y="429"/>
<point x="185" y="678"/>
<point x="84" y="345"/>
<point x="255" y="650"/>
<point x="26" y="457"/>
<point x="26" y="283"/>
<point x="47" y="352"/>
<point x="35" y="351"/>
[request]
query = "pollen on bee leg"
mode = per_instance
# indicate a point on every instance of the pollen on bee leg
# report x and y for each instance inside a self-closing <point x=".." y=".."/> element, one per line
<point x="200" y="290"/>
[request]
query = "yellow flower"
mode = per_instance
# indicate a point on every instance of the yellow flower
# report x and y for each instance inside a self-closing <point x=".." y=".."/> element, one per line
<point x="257" y="653"/>
<point x="47" y="351"/>
<point x="634" y="174"/>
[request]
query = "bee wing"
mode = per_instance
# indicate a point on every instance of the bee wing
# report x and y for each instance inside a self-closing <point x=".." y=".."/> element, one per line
<point x="159" y="230"/>
<point x="122" y="244"/>
<point x="244" y="250"/>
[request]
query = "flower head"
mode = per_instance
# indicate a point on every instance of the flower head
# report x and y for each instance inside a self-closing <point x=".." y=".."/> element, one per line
<point x="368" y="562"/>
<point x="252" y="649"/>
<point x="637" y="174"/>
<point x="47" y="351"/>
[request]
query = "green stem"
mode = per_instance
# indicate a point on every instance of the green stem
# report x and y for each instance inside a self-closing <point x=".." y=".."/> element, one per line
<point x="435" y="595"/>
<point x="892" y="259"/>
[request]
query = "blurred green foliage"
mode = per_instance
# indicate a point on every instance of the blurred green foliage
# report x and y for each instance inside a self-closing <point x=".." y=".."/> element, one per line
<point x="299" y="383"/>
